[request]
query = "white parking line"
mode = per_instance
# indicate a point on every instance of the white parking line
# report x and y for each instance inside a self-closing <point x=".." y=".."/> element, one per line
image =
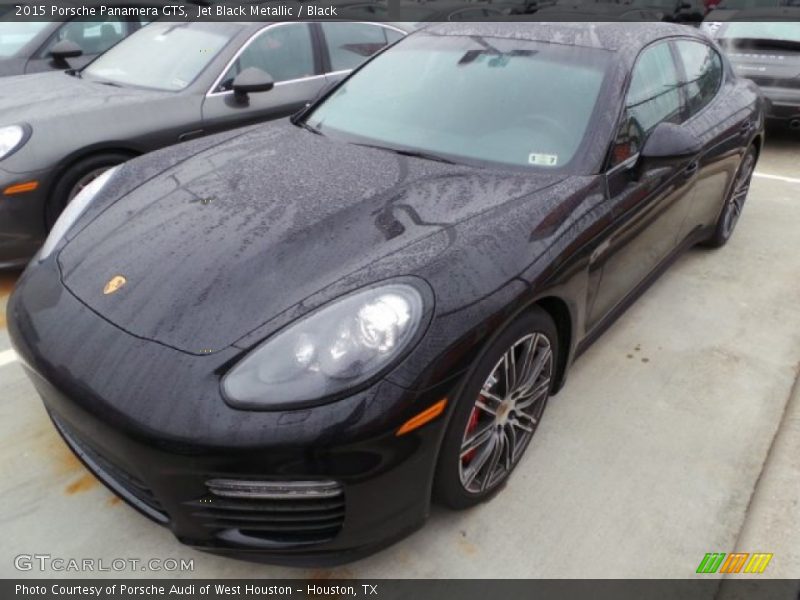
<point x="8" y="357"/>
<point x="777" y="177"/>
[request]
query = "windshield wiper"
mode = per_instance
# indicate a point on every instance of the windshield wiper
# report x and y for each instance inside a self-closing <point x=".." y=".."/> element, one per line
<point x="308" y="127"/>
<point x="411" y="153"/>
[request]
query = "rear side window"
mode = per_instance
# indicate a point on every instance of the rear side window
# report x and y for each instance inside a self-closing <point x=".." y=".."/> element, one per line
<point x="350" y="44"/>
<point x="702" y="67"/>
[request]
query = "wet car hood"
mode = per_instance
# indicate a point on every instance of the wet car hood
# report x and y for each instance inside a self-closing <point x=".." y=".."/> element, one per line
<point x="228" y="239"/>
<point x="26" y="98"/>
<point x="11" y="66"/>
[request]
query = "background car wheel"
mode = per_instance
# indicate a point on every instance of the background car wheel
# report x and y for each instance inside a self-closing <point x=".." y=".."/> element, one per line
<point x="495" y="417"/>
<point x="735" y="201"/>
<point x="75" y="178"/>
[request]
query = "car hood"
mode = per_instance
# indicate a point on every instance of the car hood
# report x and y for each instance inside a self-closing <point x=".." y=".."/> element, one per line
<point x="223" y="242"/>
<point x="11" y="66"/>
<point x="55" y="94"/>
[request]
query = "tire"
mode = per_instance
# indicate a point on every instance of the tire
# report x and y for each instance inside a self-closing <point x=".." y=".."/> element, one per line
<point x="734" y="203"/>
<point x="467" y="476"/>
<point x="75" y="178"/>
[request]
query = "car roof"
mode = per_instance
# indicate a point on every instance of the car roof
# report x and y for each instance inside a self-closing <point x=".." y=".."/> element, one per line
<point x="608" y="36"/>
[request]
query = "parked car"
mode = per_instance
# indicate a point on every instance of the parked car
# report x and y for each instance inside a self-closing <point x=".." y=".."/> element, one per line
<point x="422" y="13"/>
<point x="675" y="11"/>
<point x="756" y="10"/>
<point x="767" y="53"/>
<point x="167" y="83"/>
<point x="35" y="46"/>
<point x="283" y="341"/>
<point x="594" y="12"/>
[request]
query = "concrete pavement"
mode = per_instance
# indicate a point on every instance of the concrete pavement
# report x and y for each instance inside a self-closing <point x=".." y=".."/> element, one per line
<point x="675" y="436"/>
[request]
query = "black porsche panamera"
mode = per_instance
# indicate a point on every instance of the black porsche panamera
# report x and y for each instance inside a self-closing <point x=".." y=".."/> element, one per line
<point x="283" y="342"/>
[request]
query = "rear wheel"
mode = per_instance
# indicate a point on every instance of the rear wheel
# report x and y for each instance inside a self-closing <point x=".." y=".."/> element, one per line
<point x="495" y="418"/>
<point x="77" y="177"/>
<point x="734" y="204"/>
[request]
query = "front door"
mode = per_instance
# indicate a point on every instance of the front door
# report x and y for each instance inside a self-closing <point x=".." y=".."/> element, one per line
<point x="649" y="200"/>
<point x="284" y="50"/>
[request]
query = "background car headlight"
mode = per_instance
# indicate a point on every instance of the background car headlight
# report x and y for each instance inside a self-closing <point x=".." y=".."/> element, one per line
<point x="74" y="210"/>
<point x="331" y="350"/>
<point x="11" y="138"/>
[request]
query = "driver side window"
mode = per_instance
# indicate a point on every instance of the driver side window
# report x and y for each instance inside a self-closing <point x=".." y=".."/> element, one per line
<point x="283" y="51"/>
<point x="653" y="97"/>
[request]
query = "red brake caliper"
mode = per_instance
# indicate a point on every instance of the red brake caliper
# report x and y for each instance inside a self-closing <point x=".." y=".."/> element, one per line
<point x="472" y="425"/>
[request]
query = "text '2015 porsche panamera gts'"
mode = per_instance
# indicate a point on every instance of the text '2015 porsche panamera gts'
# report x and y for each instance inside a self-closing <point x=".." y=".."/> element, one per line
<point x="283" y="342"/>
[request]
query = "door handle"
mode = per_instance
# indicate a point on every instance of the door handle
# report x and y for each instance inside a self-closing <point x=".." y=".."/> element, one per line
<point x="691" y="168"/>
<point x="745" y="128"/>
<point x="190" y="135"/>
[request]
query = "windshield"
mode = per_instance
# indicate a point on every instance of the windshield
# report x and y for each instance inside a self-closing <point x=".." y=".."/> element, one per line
<point x="471" y="99"/>
<point x="163" y="56"/>
<point x="784" y="31"/>
<point x="14" y="35"/>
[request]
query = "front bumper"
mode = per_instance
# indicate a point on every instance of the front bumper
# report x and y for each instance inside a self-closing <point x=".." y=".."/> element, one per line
<point x="150" y="423"/>
<point x="22" y="220"/>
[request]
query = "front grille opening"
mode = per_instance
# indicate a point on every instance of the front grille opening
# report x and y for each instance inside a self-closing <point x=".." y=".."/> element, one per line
<point x="290" y="512"/>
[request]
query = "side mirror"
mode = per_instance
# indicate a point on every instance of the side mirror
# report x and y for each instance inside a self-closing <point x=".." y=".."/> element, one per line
<point x="251" y="80"/>
<point x="63" y="50"/>
<point x="668" y="140"/>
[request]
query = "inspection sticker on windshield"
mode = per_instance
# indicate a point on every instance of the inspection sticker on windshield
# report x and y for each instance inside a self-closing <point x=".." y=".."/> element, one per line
<point x="543" y="160"/>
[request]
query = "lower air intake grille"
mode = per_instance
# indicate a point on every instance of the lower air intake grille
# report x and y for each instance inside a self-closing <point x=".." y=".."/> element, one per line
<point x="123" y="483"/>
<point x="291" y="512"/>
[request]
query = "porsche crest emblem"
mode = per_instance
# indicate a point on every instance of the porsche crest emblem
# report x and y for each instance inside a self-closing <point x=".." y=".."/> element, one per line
<point x="114" y="284"/>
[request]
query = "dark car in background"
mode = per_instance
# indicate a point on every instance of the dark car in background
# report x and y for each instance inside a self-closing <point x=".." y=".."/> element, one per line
<point x="167" y="83"/>
<point x="767" y="53"/>
<point x="673" y="11"/>
<point x="34" y="46"/>
<point x="750" y="10"/>
<point x="283" y="342"/>
<point x="591" y="12"/>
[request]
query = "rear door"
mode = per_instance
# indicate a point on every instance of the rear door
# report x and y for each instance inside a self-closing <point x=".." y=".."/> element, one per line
<point x="720" y="120"/>
<point x="288" y="52"/>
<point x="649" y="203"/>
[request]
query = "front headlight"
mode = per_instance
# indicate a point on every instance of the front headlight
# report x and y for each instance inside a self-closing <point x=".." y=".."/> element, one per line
<point x="74" y="209"/>
<point x="333" y="349"/>
<point x="11" y="138"/>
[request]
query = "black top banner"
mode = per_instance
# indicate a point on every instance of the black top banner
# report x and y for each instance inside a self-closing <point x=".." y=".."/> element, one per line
<point x="689" y="12"/>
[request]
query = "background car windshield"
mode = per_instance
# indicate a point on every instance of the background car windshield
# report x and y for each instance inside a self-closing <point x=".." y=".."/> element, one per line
<point x="789" y="32"/>
<point x="163" y="56"/>
<point x="14" y="35"/>
<point x="481" y="99"/>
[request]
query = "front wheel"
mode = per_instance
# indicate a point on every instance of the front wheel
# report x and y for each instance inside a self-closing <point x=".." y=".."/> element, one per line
<point x="735" y="201"/>
<point x="75" y="178"/>
<point x="499" y="409"/>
